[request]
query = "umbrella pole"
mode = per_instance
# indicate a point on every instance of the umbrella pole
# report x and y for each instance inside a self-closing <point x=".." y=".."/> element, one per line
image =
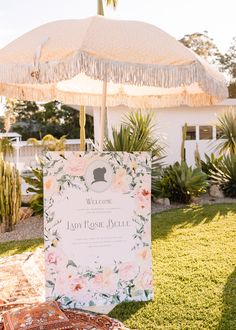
<point x="82" y="122"/>
<point x="102" y="116"/>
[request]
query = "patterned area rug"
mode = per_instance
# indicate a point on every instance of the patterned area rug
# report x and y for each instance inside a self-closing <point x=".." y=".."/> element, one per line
<point x="22" y="279"/>
<point x="22" y="284"/>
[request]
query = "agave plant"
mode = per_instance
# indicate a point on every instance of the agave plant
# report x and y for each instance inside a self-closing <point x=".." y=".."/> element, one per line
<point x="181" y="183"/>
<point x="211" y="164"/>
<point x="35" y="182"/>
<point x="224" y="175"/>
<point x="227" y="130"/>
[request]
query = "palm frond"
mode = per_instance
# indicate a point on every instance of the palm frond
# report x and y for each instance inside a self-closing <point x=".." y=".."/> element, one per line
<point x="112" y="3"/>
<point x="227" y="129"/>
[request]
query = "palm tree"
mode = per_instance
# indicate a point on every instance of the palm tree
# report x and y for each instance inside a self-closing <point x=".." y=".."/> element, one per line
<point x="100" y="11"/>
<point x="227" y="129"/>
<point x="112" y="3"/>
<point x="49" y="143"/>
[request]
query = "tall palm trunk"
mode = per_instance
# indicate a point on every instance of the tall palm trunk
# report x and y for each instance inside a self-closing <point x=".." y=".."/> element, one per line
<point x="100" y="10"/>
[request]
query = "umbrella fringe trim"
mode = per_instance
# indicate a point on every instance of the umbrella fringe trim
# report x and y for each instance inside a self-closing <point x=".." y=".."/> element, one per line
<point x="117" y="72"/>
<point x="45" y="93"/>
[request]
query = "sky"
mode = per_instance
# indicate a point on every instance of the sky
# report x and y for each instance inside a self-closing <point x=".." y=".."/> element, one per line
<point x="177" y="17"/>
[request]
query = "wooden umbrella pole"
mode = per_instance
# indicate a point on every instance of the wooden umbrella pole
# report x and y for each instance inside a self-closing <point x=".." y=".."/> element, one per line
<point x="82" y="122"/>
<point x="103" y="115"/>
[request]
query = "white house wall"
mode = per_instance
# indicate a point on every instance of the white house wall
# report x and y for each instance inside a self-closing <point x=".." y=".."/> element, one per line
<point x="169" y="123"/>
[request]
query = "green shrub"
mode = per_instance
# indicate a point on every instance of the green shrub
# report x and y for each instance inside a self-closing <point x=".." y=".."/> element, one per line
<point x="35" y="182"/>
<point x="224" y="175"/>
<point x="180" y="183"/>
<point x="211" y="164"/>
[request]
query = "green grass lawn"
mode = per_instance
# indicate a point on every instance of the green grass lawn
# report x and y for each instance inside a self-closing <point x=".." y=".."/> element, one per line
<point x="194" y="260"/>
<point x="15" y="247"/>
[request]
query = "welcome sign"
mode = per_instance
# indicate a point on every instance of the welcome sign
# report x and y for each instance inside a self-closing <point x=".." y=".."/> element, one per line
<point x="97" y="211"/>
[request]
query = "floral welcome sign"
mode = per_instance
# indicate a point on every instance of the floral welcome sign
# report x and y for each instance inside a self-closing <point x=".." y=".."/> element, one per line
<point x="97" y="228"/>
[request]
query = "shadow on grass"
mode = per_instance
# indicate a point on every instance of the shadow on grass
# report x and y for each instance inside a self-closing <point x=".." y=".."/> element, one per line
<point x="163" y="223"/>
<point x="125" y="310"/>
<point x="228" y="318"/>
<point x="17" y="247"/>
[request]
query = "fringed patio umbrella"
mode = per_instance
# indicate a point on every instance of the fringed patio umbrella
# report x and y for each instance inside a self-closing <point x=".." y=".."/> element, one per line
<point x="103" y="62"/>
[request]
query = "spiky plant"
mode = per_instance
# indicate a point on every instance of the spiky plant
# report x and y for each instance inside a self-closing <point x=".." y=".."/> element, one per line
<point x="211" y="164"/>
<point x="181" y="183"/>
<point x="224" y="175"/>
<point x="227" y="129"/>
<point x="35" y="182"/>
<point x="10" y="195"/>
<point x="136" y="134"/>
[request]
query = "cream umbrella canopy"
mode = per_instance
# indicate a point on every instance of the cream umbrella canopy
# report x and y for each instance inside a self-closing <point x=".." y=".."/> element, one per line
<point x="141" y="65"/>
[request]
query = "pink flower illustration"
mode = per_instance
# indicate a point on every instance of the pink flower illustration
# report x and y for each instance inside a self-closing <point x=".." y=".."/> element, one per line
<point x="77" y="284"/>
<point x="51" y="258"/>
<point x="127" y="271"/>
<point x="143" y="192"/>
<point x="144" y="254"/>
<point x="105" y="282"/>
<point x="121" y="181"/>
<point x="144" y="280"/>
<point x="75" y="166"/>
<point x="143" y="206"/>
<point x="50" y="185"/>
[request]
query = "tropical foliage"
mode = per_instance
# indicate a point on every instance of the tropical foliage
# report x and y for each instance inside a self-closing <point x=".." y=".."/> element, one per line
<point x="111" y="3"/>
<point x="49" y="143"/>
<point x="35" y="182"/>
<point x="35" y="179"/>
<point x="227" y="129"/>
<point x="136" y="133"/>
<point x="224" y="175"/>
<point x="180" y="183"/>
<point x="211" y="164"/>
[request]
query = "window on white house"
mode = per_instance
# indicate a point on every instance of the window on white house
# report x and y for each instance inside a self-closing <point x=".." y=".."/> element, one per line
<point x="205" y="132"/>
<point x="218" y="133"/>
<point x="191" y="133"/>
